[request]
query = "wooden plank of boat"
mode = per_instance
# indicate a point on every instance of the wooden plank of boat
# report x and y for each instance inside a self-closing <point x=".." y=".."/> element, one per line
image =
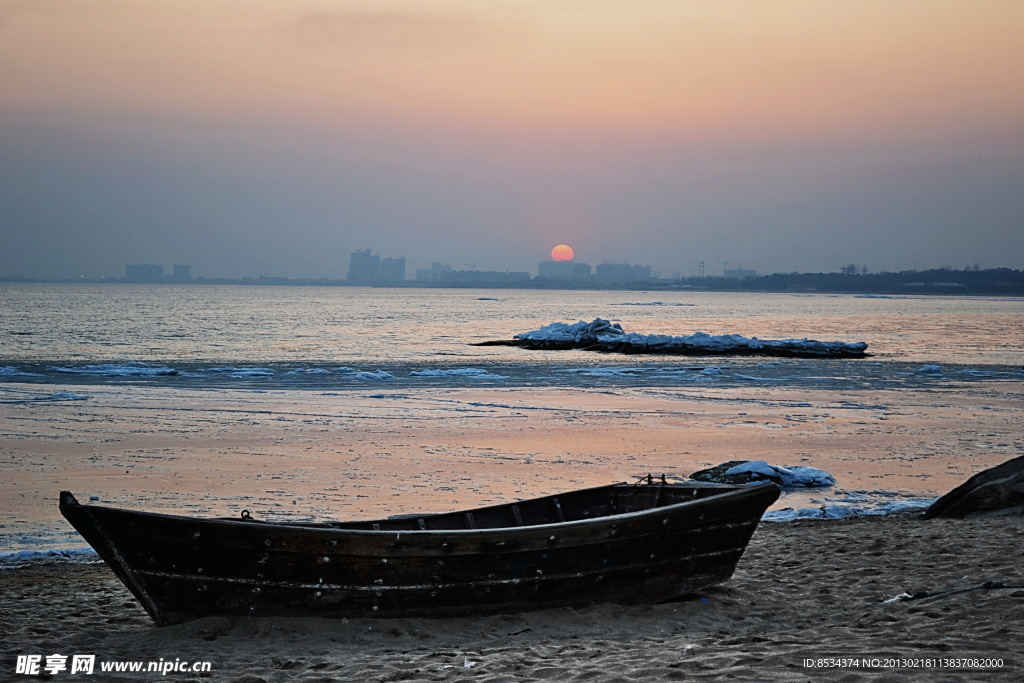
<point x="624" y="543"/>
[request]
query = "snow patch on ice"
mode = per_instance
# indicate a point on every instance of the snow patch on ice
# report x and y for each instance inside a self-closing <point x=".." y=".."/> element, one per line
<point x="457" y="372"/>
<point x="600" y="332"/>
<point x="54" y="397"/>
<point x="11" y="371"/>
<point x="355" y="373"/>
<point x="651" y="303"/>
<point x="972" y="372"/>
<point x="21" y="558"/>
<point x="309" y="371"/>
<point x="833" y="510"/>
<point x="796" y="476"/>
<point x="133" y="369"/>
<point x="375" y="375"/>
<point x="63" y="396"/>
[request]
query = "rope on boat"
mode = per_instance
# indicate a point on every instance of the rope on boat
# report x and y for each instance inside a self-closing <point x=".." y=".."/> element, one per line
<point x="649" y="479"/>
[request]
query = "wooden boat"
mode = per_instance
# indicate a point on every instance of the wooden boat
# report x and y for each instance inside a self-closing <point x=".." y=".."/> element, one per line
<point x="622" y="543"/>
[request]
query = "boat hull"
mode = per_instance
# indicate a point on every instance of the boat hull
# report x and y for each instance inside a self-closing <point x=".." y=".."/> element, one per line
<point x="183" y="568"/>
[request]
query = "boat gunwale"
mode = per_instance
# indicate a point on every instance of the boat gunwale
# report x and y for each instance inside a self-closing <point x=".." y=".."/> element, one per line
<point x="734" y="491"/>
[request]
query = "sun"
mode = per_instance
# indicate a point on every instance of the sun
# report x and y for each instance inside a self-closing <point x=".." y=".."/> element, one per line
<point x="563" y="252"/>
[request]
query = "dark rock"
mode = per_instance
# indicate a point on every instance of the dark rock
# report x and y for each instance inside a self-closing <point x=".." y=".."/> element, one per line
<point x="997" y="491"/>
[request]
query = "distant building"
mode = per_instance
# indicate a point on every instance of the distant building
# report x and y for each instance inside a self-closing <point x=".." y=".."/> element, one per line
<point x="363" y="267"/>
<point x="181" y="274"/>
<point x="433" y="273"/>
<point x="563" y="270"/>
<point x="621" y="272"/>
<point x="367" y="268"/>
<point x="392" y="270"/>
<point x="149" y="273"/>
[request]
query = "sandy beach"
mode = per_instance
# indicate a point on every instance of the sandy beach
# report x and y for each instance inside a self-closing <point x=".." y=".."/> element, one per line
<point x="805" y="591"/>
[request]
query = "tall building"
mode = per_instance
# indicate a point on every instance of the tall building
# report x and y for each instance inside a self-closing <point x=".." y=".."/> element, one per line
<point x="367" y="268"/>
<point x="392" y="270"/>
<point x="363" y="267"/>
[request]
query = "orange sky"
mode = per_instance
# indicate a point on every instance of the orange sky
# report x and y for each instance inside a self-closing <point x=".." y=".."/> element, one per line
<point x="624" y="68"/>
<point x="610" y="90"/>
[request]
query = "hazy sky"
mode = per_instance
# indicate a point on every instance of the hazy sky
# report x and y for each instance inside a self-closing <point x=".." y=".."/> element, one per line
<point x="249" y="137"/>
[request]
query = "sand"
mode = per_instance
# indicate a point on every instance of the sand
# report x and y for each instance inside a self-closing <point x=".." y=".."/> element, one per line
<point x="804" y="590"/>
<point x="809" y="590"/>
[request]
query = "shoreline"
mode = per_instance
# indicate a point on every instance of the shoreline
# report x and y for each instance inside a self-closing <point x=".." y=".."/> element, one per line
<point x="806" y="590"/>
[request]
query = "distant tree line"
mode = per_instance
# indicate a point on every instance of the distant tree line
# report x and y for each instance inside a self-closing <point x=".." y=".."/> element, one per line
<point x="856" y="279"/>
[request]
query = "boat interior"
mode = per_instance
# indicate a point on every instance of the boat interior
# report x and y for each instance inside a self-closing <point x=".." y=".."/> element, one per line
<point x="604" y="501"/>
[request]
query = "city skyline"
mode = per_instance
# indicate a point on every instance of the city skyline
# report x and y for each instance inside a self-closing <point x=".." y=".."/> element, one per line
<point x="369" y="269"/>
<point x="258" y="138"/>
<point x="544" y="268"/>
<point x="372" y="270"/>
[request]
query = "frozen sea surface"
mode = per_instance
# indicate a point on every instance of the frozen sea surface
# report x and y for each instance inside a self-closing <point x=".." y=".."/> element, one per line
<point x="607" y="371"/>
<point x="65" y="347"/>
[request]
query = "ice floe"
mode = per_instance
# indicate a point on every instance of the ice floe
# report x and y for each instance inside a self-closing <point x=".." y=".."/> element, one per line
<point x="606" y="336"/>
<point x="47" y="398"/>
<point x="847" y="511"/>
<point x="376" y="374"/>
<point x="651" y="303"/>
<point x="752" y="471"/>
<point x="244" y="373"/>
<point x="457" y="372"/>
<point x="795" y="476"/>
<point x="133" y="369"/>
<point x="20" y="558"/>
<point x="11" y="371"/>
<point x="63" y="396"/>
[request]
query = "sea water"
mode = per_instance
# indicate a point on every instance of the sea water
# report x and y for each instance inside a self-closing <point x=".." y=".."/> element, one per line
<point x="351" y="336"/>
<point x="58" y="340"/>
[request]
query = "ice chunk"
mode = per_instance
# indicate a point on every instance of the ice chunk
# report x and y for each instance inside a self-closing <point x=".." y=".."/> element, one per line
<point x="117" y="370"/>
<point x="457" y="372"/>
<point x="797" y="476"/>
<point x="602" y="335"/>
